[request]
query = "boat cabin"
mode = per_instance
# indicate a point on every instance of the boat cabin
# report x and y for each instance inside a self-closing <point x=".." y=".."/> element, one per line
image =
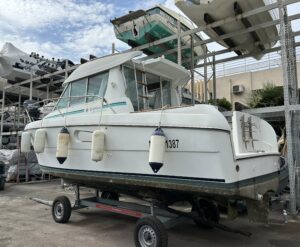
<point x="125" y="84"/>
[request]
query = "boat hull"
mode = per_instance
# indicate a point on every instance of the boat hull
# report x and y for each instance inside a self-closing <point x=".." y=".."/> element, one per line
<point x="245" y="42"/>
<point x="154" y="27"/>
<point x="143" y="184"/>
<point x="201" y="164"/>
<point x="203" y="155"/>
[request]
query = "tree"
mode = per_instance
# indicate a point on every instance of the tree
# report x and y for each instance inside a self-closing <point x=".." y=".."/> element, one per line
<point x="223" y="103"/>
<point x="269" y="95"/>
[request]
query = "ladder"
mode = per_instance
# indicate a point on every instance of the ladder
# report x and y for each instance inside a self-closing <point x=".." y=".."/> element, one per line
<point x="141" y="83"/>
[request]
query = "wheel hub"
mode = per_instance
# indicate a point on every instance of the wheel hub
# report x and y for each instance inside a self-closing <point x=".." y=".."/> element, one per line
<point x="58" y="210"/>
<point x="147" y="237"/>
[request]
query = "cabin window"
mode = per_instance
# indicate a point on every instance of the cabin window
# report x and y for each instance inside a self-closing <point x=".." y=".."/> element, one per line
<point x="166" y="92"/>
<point x="96" y="87"/>
<point x="146" y="90"/>
<point x="154" y="91"/>
<point x="78" y="89"/>
<point x="64" y="98"/>
<point x="131" y="87"/>
<point x="141" y="89"/>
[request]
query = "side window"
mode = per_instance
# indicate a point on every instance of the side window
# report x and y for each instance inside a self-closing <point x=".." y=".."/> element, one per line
<point x="78" y="88"/>
<point x="146" y="90"/>
<point x="131" y="87"/>
<point x="97" y="86"/>
<point x="64" y="98"/>
<point x="166" y="90"/>
<point x="154" y="91"/>
<point x="140" y="89"/>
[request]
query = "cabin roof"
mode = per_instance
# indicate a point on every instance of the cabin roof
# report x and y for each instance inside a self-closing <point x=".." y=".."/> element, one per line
<point x="161" y="66"/>
<point x="101" y="64"/>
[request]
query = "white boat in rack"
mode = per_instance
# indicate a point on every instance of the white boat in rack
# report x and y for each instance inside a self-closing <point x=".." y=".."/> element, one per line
<point x="144" y="26"/>
<point x="17" y="65"/>
<point x="203" y="12"/>
<point x="100" y="135"/>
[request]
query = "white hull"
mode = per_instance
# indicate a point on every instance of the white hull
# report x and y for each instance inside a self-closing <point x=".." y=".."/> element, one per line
<point x="221" y="9"/>
<point x="16" y="65"/>
<point x="14" y="74"/>
<point x="204" y="156"/>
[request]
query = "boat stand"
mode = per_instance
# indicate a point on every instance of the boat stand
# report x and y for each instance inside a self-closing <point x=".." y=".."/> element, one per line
<point x="153" y="221"/>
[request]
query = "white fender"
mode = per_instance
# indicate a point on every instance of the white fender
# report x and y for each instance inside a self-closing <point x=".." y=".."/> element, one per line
<point x="40" y="140"/>
<point x="98" y="146"/>
<point x="26" y="142"/>
<point x="62" y="147"/>
<point x="157" y="149"/>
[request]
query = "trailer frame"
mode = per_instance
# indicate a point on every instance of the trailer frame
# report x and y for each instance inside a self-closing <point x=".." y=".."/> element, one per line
<point x="154" y="218"/>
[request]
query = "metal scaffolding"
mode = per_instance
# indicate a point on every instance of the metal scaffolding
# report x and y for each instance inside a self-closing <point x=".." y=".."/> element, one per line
<point x="42" y="89"/>
<point x="291" y="97"/>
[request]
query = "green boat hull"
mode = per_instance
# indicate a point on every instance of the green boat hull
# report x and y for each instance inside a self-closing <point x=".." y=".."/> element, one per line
<point x="154" y="31"/>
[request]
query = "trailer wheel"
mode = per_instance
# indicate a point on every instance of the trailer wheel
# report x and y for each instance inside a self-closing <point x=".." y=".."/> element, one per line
<point x="110" y="195"/>
<point x="2" y="183"/>
<point x="150" y="232"/>
<point x="5" y="140"/>
<point x="61" y="209"/>
<point x="210" y="211"/>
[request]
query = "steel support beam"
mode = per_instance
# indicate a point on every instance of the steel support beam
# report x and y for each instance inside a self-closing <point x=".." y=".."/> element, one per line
<point x="275" y="49"/>
<point x="60" y="72"/>
<point x="192" y="70"/>
<point x="233" y="34"/>
<point x="2" y="109"/>
<point x="179" y="43"/>
<point x="289" y="99"/>
<point x="205" y="76"/>
<point x="224" y="51"/>
<point x="214" y="81"/>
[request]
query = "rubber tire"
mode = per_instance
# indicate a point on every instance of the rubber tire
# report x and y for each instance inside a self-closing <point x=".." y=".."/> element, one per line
<point x="110" y="195"/>
<point x="67" y="209"/>
<point x="157" y="226"/>
<point x="2" y="183"/>
<point x="5" y="141"/>
<point x="211" y="212"/>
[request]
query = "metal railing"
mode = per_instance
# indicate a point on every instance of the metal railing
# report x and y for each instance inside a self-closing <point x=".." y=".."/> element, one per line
<point x="269" y="61"/>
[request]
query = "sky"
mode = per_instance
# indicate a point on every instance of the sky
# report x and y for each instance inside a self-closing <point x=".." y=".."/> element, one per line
<point x="72" y="28"/>
<point x="65" y="28"/>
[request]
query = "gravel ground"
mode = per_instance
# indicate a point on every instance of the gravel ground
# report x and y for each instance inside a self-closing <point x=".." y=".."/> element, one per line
<point x="24" y="222"/>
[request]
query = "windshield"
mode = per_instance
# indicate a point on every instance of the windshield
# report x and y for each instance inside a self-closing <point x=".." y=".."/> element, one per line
<point x="84" y="90"/>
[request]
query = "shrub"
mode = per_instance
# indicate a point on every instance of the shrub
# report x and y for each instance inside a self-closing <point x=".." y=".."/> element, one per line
<point x="269" y="95"/>
<point x="223" y="103"/>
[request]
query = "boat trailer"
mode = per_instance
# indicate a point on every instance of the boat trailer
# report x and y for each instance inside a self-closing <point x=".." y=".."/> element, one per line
<point x="153" y="219"/>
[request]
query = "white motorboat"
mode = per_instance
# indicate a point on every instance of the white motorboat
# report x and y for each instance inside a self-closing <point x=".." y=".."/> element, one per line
<point x="16" y="65"/>
<point x="203" y="12"/>
<point x="144" y="26"/>
<point x="100" y="130"/>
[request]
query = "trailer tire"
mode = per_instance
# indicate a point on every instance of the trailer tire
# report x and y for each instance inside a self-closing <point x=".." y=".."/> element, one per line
<point x="5" y="140"/>
<point x="211" y="213"/>
<point x="110" y="195"/>
<point x="2" y="183"/>
<point x="61" y="209"/>
<point x="150" y="231"/>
